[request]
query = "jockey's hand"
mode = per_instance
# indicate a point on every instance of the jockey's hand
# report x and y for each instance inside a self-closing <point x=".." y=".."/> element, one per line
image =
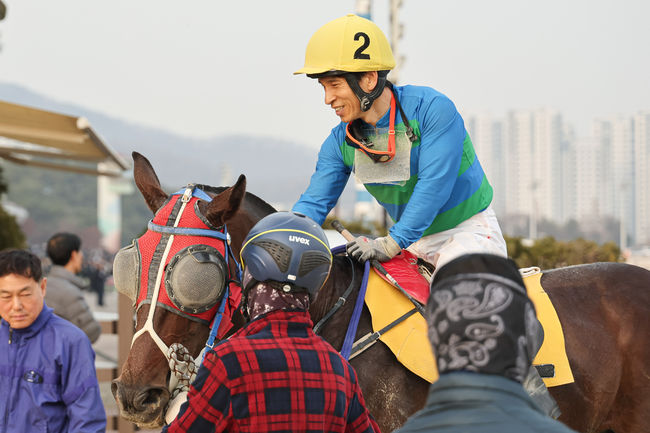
<point x="382" y="249"/>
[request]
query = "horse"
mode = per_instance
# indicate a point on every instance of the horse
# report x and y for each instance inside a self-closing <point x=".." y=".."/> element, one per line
<point x="602" y="307"/>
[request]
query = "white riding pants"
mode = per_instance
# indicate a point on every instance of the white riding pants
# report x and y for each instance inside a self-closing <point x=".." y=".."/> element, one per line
<point x="478" y="234"/>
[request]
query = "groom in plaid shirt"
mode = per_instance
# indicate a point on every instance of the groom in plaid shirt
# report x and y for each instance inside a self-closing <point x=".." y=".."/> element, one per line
<point x="275" y="374"/>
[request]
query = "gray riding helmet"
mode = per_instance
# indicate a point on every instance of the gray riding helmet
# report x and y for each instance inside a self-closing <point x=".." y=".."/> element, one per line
<point x="290" y="249"/>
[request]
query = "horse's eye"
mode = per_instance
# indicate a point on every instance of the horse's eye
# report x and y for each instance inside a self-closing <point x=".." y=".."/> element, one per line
<point x="126" y="270"/>
<point x="195" y="278"/>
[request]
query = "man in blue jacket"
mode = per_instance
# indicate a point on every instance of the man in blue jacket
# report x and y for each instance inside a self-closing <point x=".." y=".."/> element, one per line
<point x="47" y="365"/>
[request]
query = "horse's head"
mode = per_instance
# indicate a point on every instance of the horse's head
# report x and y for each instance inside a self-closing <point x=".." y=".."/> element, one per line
<point x="179" y="275"/>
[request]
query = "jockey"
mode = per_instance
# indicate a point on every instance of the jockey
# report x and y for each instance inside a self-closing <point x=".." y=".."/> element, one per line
<point x="407" y="145"/>
<point x="275" y="374"/>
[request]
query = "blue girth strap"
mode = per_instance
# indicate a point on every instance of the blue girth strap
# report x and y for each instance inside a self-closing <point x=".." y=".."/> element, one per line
<point x="351" y="333"/>
<point x="356" y="315"/>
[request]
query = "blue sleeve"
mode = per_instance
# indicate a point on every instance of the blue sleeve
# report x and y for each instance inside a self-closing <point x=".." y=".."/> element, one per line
<point x="442" y="133"/>
<point x="80" y="390"/>
<point x="326" y="183"/>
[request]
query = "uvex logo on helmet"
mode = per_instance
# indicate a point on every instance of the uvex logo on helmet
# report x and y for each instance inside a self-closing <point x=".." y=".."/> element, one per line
<point x="299" y="239"/>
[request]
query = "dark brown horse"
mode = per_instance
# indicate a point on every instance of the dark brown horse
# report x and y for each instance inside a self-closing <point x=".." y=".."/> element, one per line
<point x="604" y="310"/>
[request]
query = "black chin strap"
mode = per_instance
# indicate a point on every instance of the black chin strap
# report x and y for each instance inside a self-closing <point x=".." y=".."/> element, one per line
<point x="244" y="297"/>
<point x="366" y="99"/>
<point x="356" y="128"/>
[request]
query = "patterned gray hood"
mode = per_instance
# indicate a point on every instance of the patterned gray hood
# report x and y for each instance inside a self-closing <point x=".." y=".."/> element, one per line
<point x="480" y="318"/>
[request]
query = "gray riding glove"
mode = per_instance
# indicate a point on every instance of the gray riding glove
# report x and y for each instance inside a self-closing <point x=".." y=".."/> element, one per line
<point x="382" y="249"/>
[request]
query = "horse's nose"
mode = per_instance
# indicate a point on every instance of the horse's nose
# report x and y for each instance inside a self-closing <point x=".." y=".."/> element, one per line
<point x="148" y="398"/>
<point x="139" y="400"/>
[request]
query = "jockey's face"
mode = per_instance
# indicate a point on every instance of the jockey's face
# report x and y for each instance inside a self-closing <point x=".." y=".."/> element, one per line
<point x="21" y="299"/>
<point x="341" y="98"/>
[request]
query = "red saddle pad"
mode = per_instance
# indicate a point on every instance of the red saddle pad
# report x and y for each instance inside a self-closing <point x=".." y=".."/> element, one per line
<point x="404" y="268"/>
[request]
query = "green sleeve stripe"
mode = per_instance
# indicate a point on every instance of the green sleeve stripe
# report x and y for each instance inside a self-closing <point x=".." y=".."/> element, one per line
<point x="393" y="194"/>
<point x="478" y="201"/>
<point x="348" y="154"/>
<point x="469" y="155"/>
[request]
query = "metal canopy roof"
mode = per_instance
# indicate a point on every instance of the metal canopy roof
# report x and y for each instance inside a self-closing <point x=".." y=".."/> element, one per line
<point x="51" y="140"/>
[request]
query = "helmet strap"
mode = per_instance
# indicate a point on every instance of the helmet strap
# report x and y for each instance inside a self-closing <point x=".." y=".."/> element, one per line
<point x="366" y="99"/>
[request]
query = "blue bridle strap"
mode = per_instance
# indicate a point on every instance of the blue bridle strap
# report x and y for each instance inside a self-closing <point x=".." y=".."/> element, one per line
<point x="188" y="231"/>
<point x="215" y="323"/>
<point x="196" y="192"/>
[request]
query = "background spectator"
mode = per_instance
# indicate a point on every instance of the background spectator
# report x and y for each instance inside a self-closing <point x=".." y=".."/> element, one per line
<point x="64" y="287"/>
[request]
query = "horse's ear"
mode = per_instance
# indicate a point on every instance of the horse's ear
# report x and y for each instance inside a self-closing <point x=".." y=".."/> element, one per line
<point x="223" y="206"/>
<point x="147" y="182"/>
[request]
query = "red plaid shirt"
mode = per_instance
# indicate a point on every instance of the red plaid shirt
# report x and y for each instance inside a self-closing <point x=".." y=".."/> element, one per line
<point x="275" y="375"/>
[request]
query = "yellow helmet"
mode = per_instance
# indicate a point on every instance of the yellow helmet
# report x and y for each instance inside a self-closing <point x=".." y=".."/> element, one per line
<point x="348" y="44"/>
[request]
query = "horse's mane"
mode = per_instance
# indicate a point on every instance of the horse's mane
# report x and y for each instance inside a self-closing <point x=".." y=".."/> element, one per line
<point x="250" y="200"/>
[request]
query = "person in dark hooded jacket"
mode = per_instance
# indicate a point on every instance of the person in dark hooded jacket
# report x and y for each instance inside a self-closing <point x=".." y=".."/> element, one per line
<point x="485" y="334"/>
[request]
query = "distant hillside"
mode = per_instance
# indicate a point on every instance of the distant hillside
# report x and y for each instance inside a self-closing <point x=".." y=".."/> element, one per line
<point x="276" y="170"/>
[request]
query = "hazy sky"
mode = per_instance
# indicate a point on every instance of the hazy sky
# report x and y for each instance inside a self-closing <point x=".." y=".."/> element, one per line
<point x="209" y="67"/>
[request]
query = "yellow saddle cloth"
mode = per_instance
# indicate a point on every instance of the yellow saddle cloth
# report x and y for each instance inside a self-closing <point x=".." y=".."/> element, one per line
<point x="410" y="343"/>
